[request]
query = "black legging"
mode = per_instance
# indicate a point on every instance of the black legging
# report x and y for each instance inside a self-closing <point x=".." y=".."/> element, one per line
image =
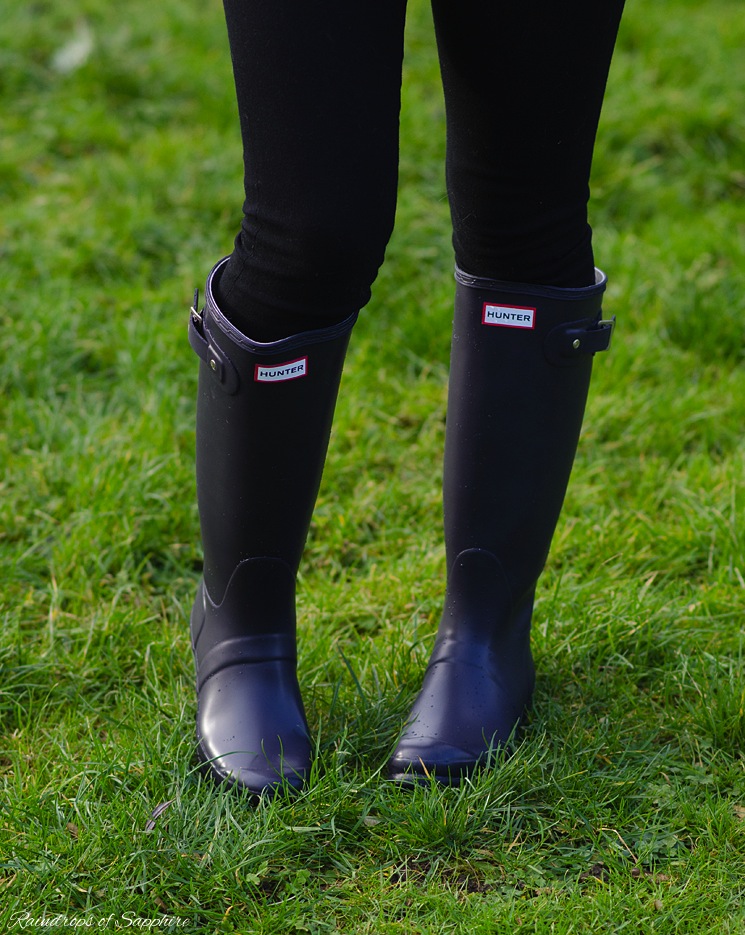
<point x="318" y="87"/>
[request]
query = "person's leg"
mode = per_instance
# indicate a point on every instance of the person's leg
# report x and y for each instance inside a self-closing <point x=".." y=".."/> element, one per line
<point x="318" y="90"/>
<point x="318" y="95"/>
<point x="524" y="84"/>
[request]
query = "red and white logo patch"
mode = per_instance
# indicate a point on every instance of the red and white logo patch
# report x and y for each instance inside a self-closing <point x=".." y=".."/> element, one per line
<point x="508" y="316"/>
<point x="278" y="373"/>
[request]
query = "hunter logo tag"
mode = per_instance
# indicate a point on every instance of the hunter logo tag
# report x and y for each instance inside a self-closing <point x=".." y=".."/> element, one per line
<point x="508" y="316"/>
<point x="278" y="373"/>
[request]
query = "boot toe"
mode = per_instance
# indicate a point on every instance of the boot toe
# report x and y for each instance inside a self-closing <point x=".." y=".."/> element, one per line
<point x="251" y="729"/>
<point x="417" y="760"/>
<point x="254" y="773"/>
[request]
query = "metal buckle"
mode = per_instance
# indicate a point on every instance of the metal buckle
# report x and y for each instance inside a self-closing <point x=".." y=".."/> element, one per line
<point x="195" y="314"/>
<point x="608" y="324"/>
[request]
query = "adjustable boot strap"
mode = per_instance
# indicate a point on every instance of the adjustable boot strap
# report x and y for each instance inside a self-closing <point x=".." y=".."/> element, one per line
<point x="569" y="342"/>
<point x="215" y="358"/>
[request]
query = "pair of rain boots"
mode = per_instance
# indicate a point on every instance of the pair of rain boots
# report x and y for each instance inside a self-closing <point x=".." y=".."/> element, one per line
<point x="520" y="373"/>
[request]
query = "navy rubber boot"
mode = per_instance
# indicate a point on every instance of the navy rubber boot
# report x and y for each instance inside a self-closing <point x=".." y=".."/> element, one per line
<point x="264" y="415"/>
<point x="520" y="372"/>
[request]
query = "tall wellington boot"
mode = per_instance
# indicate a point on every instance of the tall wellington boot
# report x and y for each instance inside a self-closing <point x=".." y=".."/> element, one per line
<point x="264" y="415"/>
<point x="520" y="373"/>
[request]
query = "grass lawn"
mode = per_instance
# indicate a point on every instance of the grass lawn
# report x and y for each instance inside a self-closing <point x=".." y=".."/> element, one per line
<point x="623" y="809"/>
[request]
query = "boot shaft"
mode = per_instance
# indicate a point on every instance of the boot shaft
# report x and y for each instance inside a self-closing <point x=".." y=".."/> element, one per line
<point x="520" y="372"/>
<point x="264" y="415"/>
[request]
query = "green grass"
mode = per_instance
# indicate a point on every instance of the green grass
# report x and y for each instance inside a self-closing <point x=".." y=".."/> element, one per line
<point x="623" y="809"/>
